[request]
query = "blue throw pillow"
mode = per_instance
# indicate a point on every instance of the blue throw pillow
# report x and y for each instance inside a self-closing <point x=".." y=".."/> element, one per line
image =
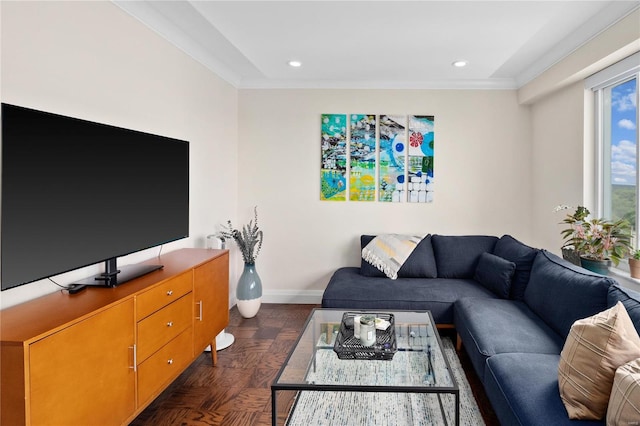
<point x="457" y="256"/>
<point x="522" y="255"/>
<point x="495" y="274"/>
<point x="420" y="264"/>
<point x="630" y="299"/>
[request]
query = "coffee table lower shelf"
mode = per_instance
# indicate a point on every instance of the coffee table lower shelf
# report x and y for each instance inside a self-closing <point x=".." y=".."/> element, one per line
<point x="419" y="366"/>
<point x="358" y="414"/>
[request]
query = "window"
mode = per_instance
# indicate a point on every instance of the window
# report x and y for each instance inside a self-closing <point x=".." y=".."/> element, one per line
<point x="616" y="108"/>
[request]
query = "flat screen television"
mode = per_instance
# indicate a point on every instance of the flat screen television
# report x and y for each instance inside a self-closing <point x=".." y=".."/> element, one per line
<point x="77" y="193"/>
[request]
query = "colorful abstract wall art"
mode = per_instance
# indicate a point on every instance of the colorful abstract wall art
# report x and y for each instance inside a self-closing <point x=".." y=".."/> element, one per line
<point x="362" y="149"/>
<point x="391" y="185"/>
<point x="333" y="184"/>
<point x="383" y="157"/>
<point x="420" y="164"/>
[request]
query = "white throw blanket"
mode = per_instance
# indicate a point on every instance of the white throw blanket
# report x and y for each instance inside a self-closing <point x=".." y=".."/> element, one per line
<point x="388" y="252"/>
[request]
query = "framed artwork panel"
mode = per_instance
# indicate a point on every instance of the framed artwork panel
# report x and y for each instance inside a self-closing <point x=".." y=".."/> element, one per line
<point x="391" y="167"/>
<point x="333" y="174"/>
<point x="420" y="159"/>
<point x="363" y="156"/>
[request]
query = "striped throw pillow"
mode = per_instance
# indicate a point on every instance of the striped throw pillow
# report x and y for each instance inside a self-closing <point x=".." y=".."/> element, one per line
<point x="594" y="349"/>
<point x="624" y="404"/>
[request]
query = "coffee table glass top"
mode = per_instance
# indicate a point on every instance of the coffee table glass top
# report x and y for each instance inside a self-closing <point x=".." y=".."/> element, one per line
<point x="419" y="365"/>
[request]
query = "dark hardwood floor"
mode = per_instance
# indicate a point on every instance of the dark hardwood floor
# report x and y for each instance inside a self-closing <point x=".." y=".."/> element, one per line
<point x="237" y="390"/>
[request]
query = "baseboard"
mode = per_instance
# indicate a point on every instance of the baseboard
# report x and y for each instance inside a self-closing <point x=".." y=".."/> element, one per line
<point x="300" y="297"/>
<point x="290" y="296"/>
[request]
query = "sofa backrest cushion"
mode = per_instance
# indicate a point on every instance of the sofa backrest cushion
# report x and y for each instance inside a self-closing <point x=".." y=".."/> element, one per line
<point x="561" y="293"/>
<point x="458" y="256"/>
<point x="630" y="299"/>
<point x="421" y="263"/>
<point x="522" y="255"/>
<point x="495" y="274"/>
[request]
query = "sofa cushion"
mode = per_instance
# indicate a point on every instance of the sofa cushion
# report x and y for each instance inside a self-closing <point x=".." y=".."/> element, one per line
<point x="624" y="403"/>
<point x="491" y="326"/>
<point x="495" y="273"/>
<point x="595" y="348"/>
<point x="522" y="255"/>
<point x="420" y="264"/>
<point x="347" y="289"/>
<point x="630" y="299"/>
<point x="457" y="256"/>
<point x="562" y="293"/>
<point x="523" y="390"/>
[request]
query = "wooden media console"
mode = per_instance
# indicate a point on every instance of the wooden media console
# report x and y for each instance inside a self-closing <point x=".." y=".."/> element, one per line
<point x="102" y="355"/>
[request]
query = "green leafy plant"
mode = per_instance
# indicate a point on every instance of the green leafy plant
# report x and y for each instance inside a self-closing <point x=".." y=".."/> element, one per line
<point x="636" y="255"/>
<point x="596" y="239"/>
<point x="248" y="239"/>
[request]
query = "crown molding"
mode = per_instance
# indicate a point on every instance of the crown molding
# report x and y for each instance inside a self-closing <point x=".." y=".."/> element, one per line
<point x="617" y="11"/>
<point x="481" y="84"/>
<point x="153" y="19"/>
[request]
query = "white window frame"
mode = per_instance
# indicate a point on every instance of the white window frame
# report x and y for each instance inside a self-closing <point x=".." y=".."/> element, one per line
<point x="616" y="74"/>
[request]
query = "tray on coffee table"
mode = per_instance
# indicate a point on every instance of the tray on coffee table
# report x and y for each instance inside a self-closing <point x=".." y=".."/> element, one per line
<point x="347" y="346"/>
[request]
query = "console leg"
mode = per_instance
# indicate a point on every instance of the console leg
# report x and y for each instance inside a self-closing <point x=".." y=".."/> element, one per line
<point x="214" y="353"/>
<point x="458" y="342"/>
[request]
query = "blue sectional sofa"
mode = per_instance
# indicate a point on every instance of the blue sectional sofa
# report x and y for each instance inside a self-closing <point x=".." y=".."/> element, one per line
<point x="512" y="306"/>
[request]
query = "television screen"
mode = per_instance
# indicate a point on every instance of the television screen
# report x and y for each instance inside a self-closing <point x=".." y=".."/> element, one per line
<point x="75" y="193"/>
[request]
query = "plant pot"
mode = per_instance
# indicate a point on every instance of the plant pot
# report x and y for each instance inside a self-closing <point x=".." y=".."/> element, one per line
<point x="569" y="254"/>
<point x="598" y="266"/>
<point x="249" y="291"/>
<point x="634" y="268"/>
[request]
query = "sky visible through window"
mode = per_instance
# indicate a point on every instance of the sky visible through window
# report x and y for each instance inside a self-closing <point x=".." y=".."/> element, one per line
<point x="624" y="121"/>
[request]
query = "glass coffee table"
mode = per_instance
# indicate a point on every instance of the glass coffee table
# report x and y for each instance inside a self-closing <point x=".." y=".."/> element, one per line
<point x="418" y="376"/>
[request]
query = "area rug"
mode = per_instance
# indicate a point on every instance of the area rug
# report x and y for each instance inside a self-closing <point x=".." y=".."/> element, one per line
<point x="388" y="409"/>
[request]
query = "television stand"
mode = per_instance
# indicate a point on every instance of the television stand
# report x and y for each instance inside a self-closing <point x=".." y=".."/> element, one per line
<point x="114" y="276"/>
<point x="52" y="345"/>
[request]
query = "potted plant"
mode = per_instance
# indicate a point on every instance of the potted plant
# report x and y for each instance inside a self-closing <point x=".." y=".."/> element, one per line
<point x="249" y="241"/>
<point x="569" y="252"/>
<point x="634" y="264"/>
<point x="599" y="242"/>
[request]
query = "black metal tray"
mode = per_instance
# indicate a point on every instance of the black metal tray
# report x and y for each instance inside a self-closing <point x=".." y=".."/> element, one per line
<point x="347" y="346"/>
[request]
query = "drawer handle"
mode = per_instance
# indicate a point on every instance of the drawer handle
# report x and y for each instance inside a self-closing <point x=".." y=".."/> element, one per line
<point x="169" y="293"/>
<point x="199" y="317"/>
<point x="170" y="361"/>
<point x="170" y="324"/>
<point x="135" y="357"/>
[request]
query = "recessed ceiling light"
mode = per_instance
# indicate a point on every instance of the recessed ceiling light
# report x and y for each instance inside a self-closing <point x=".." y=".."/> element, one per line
<point x="460" y="64"/>
<point x="295" y="64"/>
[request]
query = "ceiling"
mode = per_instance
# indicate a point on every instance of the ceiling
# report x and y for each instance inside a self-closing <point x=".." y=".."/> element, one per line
<point x="378" y="44"/>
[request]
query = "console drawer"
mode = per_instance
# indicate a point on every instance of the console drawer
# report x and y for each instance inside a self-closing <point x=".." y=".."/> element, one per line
<point x="159" y="328"/>
<point x="167" y="292"/>
<point x="164" y="366"/>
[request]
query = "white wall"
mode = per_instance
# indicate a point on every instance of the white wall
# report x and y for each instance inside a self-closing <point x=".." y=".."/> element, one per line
<point x="557" y="161"/>
<point x="562" y="116"/>
<point x="482" y="173"/>
<point x="93" y="61"/>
